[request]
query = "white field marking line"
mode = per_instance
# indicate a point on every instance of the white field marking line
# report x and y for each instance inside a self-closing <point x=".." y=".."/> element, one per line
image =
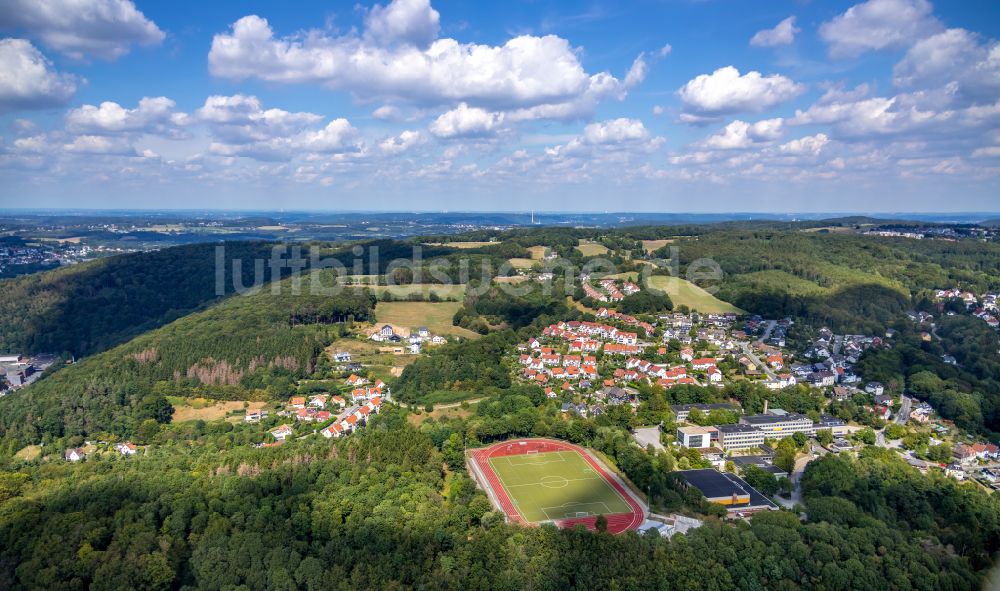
<point x="568" y="480"/>
<point x="607" y="510"/>
<point x="608" y="484"/>
<point x="510" y="496"/>
<point x="536" y="462"/>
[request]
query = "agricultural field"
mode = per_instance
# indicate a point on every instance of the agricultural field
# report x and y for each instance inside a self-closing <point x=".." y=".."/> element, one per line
<point x="591" y="249"/>
<point x="436" y="316"/>
<point x="537" y="252"/>
<point x="684" y="293"/>
<point x="513" y="279"/>
<point x="195" y="409"/>
<point x="652" y="245"/>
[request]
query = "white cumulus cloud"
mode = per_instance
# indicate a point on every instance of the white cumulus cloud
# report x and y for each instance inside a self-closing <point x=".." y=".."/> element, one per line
<point x="809" y="145"/>
<point x="27" y="79"/>
<point x="878" y="24"/>
<point x="152" y="114"/>
<point x="404" y="21"/>
<point x="725" y="91"/>
<point x="401" y="143"/>
<point x="782" y="34"/>
<point x="79" y="28"/>
<point x="466" y="121"/>
<point x="615" y="131"/>
<point x="740" y="134"/>
<point x="398" y="58"/>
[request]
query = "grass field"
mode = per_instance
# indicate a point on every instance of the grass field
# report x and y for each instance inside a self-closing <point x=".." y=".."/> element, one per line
<point x="447" y="413"/>
<point x="436" y="316"/>
<point x="556" y="485"/>
<point x="29" y="453"/>
<point x="683" y="292"/>
<point x="521" y="263"/>
<point x="445" y="292"/>
<point x="193" y="409"/>
<point x="591" y="249"/>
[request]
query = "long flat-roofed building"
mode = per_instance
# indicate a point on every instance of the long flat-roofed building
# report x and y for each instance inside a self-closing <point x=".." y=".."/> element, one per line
<point x="780" y="426"/>
<point x="727" y="489"/>
<point x="739" y="436"/>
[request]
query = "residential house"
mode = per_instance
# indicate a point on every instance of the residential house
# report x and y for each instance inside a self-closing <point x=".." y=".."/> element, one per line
<point x="126" y="448"/>
<point x="75" y="454"/>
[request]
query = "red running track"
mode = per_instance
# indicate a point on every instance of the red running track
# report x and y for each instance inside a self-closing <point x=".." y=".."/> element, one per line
<point x="617" y="523"/>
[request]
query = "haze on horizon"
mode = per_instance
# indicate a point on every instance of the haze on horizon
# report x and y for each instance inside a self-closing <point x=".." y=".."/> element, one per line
<point x="686" y="106"/>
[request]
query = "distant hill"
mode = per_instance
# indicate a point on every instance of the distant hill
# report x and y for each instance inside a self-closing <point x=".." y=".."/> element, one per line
<point x="90" y="307"/>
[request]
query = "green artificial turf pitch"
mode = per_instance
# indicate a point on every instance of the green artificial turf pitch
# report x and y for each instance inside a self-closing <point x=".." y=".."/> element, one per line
<point x="556" y="485"/>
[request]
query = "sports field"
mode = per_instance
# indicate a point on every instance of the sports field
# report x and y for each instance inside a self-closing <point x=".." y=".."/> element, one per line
<point x="540" y="480"/>
<point x="556" y="485"/>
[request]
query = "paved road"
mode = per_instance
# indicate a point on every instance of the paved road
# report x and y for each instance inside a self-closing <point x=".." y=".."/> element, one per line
<point x="767" y="331"/>
<point x="795" y="477"/>
<point x="904" y="410"/>
<point x="648" y="436"/>
<point x="753" y="357"/>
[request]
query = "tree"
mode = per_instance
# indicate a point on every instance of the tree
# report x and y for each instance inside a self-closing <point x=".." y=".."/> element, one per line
<point x="761" y="479"/>
<point x="800" y="439"/>
<point x="866" y="436"/>
<point x="785" y="459"/>
<point x="824" y="436"/>
<point x="939" y="453"/>
<point x="601" y="523"/>
<point x="895" y="431"/>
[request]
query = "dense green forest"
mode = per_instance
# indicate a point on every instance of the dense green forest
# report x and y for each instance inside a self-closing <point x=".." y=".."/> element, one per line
<point x="469" y="366"/>
<point x="250" y="346"/>
<point x="87" y="308"/>
<point x="379" y="511"/>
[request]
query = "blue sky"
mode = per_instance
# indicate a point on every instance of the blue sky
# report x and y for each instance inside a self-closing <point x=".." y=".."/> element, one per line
<point x="683" y="105"/>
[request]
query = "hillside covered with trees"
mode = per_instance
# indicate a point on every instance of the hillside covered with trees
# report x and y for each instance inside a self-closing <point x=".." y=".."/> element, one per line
<point x="246" y="347"/>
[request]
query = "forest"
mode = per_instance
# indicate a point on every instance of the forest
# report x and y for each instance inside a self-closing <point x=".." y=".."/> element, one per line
<point x="88" y="308"/>
<point x="391" y="508"/>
